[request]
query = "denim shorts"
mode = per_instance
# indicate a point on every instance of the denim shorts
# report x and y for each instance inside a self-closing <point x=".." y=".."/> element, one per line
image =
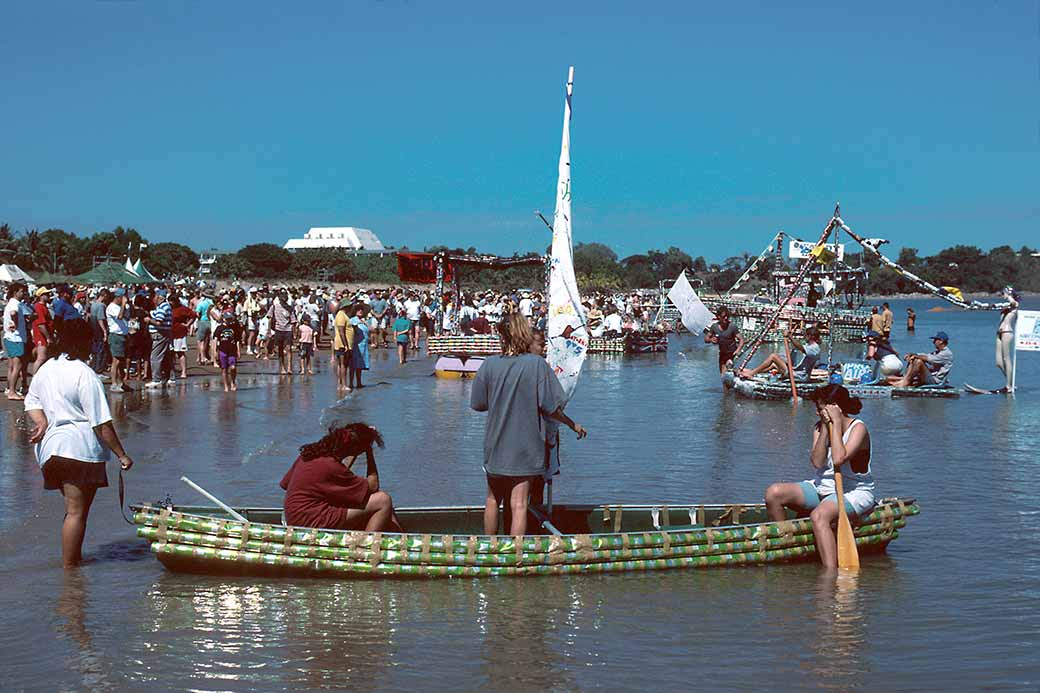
<point x="811" y="498"/>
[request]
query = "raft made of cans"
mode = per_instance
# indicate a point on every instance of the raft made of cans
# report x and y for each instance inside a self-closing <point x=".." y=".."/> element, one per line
<point x="446" y="542"/>
<point x="471" y="344"/>
<point x="632" y="343"/>
<point x="778" y="389"/>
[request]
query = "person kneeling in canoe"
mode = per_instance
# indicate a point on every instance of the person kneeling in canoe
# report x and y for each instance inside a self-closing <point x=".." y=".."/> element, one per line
<point x="839" y="441"/>
<point x="321" y="491"/>
<point x="804" y="368"/>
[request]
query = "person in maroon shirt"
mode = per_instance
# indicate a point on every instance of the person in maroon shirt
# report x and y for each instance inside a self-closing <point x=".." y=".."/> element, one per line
<point x="181" y="318"/>
<point x="321" y="491"/>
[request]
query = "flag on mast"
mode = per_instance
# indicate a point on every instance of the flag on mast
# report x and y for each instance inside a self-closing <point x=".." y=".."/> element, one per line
<point x="567" y="339"/>
<point x="695" y="315"/>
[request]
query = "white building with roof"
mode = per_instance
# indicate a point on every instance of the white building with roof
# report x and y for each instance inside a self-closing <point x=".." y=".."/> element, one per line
<point x="344" y="237"/>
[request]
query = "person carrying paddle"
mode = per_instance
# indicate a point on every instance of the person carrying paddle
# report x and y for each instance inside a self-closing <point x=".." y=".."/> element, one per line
<point x="322" y="492"/>
<point x="839" y="442"/>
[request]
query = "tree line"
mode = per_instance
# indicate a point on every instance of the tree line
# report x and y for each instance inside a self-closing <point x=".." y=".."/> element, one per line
<point x="60" y="253"/>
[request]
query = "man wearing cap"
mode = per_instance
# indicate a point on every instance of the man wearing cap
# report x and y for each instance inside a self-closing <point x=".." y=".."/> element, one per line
<point x="42" y="327"/>
<point x="928" y="369"/>
<point x="160" y="323"/>
<point x="116" y="315"/>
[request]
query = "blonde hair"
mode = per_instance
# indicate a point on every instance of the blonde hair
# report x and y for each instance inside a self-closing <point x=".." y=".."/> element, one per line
<point x="516" y="334"/>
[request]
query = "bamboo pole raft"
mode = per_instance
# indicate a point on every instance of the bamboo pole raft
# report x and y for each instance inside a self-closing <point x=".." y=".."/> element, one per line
<point x="594" y="539"/>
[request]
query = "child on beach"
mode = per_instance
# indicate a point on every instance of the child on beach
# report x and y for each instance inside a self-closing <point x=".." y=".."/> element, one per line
<point x="308" y="341"/>
<point x="263" y="327"/>
<point x="402" y="327"/>
<point x="227" y="336"/>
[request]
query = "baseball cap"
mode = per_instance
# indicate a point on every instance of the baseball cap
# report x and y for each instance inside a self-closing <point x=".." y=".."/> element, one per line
<point x="120" y="292"/>
<point x="160" y="292"/>
<point x="942" y="335"/>
<point x="42" y="291"/>
<point x="874" y="334"/>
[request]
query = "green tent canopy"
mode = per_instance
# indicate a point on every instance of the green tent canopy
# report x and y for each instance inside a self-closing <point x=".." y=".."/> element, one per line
<point x="108" y="273"/>
<point x="141" y="271"/>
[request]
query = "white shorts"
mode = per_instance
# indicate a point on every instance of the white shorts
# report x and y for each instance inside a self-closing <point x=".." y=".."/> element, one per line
<point x="180" y="344"/>
<point x="891" y="365"/>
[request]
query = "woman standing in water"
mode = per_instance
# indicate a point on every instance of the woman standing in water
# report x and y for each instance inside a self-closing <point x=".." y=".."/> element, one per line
<point x="840" y="442"/>
<point x="1006" y="337"/>
<point x="73" y="432"/>
<point x="359" y="351"/>
<point x="516" y="389"/>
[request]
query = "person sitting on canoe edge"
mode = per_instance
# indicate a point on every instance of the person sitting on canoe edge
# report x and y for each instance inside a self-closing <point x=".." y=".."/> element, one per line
<point x="839" y="441"/>
<point x="727" y="336"/>
<point x="516" y="390"/>
<point x="927" y="369"/>
<point x="880" y="349"/>
<point x="322" y="492"/>
<point x="803" y="369"/>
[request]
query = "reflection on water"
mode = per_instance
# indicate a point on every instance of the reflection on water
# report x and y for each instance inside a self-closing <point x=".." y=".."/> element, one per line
<point x="661" y="429"/>
<point x="71" y="609"/>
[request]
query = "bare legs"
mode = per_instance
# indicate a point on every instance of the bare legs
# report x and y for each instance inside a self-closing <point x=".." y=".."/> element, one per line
<point x="378" y="515"/>
<point x="516" y="501"/>
<point x="823" y="516"/>
<point x="772" y="361"/>
<point x="916" y="370"/>
<point x="826" y="544"/>
<point x="1004" y="363"/>
<point x="14" y="376"/>
<point x="73" y="529"/>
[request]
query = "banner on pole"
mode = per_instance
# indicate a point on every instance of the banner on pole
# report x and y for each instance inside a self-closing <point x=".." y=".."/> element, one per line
<point x="1027" y="330"/>
<point x="695" y="315"/>
<point x="799" y="250"/>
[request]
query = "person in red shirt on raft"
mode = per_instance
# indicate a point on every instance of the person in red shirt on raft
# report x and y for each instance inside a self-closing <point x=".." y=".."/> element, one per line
<point x="322" y="492"/>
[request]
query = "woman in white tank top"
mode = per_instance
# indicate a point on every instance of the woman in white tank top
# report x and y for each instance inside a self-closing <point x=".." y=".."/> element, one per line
<point x="838" y="440"/>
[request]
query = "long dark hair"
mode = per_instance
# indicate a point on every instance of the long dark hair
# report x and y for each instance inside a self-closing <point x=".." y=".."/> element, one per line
<point x="352" y="439"/>
<point x="74" y="340"/>
<point x="836" y="394"/>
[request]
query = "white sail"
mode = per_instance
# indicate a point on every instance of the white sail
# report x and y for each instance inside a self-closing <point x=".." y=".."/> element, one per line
<point x="567" y="339"/>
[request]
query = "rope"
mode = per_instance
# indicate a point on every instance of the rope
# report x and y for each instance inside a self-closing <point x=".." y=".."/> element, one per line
<point x="122" y="495"/>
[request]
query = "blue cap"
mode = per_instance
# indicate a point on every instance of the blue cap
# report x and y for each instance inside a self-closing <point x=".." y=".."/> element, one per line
<point x="835" y="378"/>
<point x="874" y="334"/>
<point x="943" y="336"/>
<point x="160" y="292"/>
<point x="120" y="292"/>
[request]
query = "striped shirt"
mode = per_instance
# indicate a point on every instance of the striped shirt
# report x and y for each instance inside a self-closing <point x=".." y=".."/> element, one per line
<point x="162" y="315"/>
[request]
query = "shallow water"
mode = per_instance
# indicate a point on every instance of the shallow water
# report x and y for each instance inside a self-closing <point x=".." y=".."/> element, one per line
<point x="952" y="605"/>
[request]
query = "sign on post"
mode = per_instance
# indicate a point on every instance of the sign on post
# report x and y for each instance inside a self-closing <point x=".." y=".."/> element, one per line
<point x="1027" y="331"/>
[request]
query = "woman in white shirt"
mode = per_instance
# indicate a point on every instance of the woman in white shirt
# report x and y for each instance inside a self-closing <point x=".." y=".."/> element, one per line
<point x="15" y="337"/>
<point x="73" y="432"/>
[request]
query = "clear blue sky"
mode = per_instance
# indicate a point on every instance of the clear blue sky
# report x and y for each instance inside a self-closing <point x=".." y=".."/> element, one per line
<point x="695" y="125"/>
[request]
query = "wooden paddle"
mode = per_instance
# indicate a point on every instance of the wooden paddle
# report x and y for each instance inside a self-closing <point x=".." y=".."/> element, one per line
<point x="790" y="370"/>
<point x="848" y="554"/>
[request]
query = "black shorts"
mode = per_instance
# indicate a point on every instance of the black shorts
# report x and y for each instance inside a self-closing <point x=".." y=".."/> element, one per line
<point x="502" y="486"/>
<point x="725" y="356"/>
<point x="64" y="470"/>
<point x="282" y="338"/>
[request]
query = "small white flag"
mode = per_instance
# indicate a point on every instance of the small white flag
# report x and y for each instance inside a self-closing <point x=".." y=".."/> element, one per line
<point x="695" y="315"/>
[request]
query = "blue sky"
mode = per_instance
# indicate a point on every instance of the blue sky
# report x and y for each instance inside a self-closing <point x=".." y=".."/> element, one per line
<point x="695" y="125"/>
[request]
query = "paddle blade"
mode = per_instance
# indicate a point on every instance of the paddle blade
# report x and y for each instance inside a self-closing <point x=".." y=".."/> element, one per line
<point x="848" y="554"/>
